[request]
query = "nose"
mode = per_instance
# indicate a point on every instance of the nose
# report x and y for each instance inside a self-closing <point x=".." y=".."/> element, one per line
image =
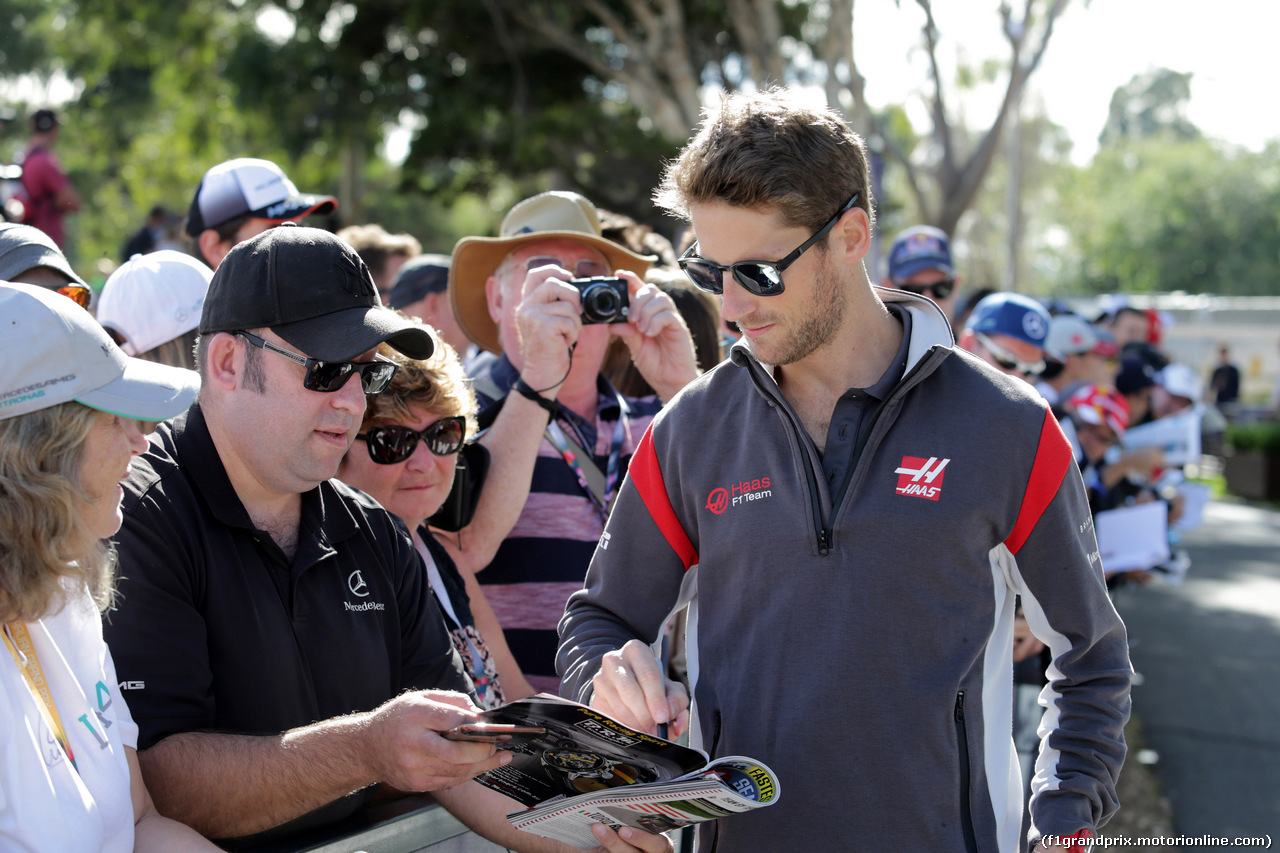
<point x="350" y="397"/>
<point x="736" y="301"/>
<point x="133" y="433"/>
<point x="422" y="459"/>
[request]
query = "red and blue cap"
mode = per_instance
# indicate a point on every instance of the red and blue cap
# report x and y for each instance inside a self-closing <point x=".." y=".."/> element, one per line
<point x="920" y="247"/>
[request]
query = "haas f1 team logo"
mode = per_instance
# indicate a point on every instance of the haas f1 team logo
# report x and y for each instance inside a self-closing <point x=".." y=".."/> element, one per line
<point x="921" y="478"/>
<point x="742" y="492"/>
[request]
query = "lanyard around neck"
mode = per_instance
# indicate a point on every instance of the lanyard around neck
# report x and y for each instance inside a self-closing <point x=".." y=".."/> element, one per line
<point x="18" y="639"/>
<point x="568" y="451"/>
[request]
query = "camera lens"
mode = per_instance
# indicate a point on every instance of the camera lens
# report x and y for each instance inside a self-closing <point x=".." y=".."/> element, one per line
<point x="601" y="302"/>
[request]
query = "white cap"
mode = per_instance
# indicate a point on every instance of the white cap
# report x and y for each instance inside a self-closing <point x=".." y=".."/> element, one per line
<point x="1069" y="334"/>
<point x="52" y="351"/>
<point x="247" y="185"/>
<point x="1180" y="380"/>
<point x="154" y="298"/>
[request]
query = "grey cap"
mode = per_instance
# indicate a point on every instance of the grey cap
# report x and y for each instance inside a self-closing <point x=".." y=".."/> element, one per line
<point x="23" y="247"/>
<point x="418" y="277"/>
<point x="52" y="351"/>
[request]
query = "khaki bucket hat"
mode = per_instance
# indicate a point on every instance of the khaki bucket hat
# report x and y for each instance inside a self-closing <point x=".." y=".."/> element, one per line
<point x="547" y="216"/>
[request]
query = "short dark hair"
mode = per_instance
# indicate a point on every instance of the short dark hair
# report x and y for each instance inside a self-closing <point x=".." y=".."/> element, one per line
<point x="769" y="150"/>
<point x="254" y="377"/>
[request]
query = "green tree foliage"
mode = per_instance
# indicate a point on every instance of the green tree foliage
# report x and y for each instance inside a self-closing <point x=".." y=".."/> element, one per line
<point x="1168" y="215"/>
<point x="1153" y="103"/>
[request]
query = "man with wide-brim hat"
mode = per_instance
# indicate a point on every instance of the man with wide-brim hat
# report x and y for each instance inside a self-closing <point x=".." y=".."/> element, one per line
<point x="511" y="295"/>
<point x="276" y="629"/>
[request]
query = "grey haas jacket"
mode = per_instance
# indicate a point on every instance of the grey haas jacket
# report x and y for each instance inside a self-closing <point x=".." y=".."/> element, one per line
<point x="863" y="648"/>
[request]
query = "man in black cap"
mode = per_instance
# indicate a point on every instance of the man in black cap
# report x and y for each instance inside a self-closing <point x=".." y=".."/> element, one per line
<point x="49" y="194"/>
<point x="241" y="198"/>
<point x="259" y="595"/>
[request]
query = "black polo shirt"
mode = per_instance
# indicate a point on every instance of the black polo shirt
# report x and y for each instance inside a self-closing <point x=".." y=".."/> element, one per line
<point x="215" y="629"/>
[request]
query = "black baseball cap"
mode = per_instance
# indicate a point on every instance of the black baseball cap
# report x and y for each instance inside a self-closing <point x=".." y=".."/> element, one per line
<point x="313" y="290"/>
<point x="42" y="120"/>
<point x="417" y="278"/>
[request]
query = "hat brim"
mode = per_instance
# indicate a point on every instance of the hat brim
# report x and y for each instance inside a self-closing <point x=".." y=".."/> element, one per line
<point x="296" y="207"/>
<point x="910" y="268"/>
<point x="147" y="391"/>
<point x="33" y="255"/>
<point x="475" y="259"/>
<point x="343" y="335"/>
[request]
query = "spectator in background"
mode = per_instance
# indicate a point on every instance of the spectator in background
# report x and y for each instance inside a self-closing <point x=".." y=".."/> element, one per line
<point x="29" y="256"/>
<point x="1177" y="389"/>
<point x="1135" y="380"/>
<point x="383" y="253"/>
<point x="150" y="236"/>
<point x="920" y="263"/>
<point x="1078" y="354"/>
<point x="241" y="198"/>
<point x="561" y="426"/>
<point x="966" y="307"/>
<point x="421" y="289"/>
<point x="1225" y="381"/>
<point x="1130" y="326"/>
<point x="49" y="195"/>
<point x="405" y="457"/>
<point x="1008" y="332"/>
<point x="151" y="306"/>
<point x="68" y="754"/>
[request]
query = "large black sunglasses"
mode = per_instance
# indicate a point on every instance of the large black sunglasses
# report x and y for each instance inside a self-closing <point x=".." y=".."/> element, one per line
<point x="396" y="443"/>
<point x="763" y="278"/>
<point x="328" y="376"/>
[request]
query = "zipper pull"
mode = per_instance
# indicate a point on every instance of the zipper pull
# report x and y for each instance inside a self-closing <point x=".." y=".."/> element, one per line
<point x="824" y="542"/>
<point x="960" y="707"/>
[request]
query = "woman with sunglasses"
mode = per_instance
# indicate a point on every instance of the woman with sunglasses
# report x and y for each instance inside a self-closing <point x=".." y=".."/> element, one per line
<point x="405" y="457"/>
<point x="67" y="399"/>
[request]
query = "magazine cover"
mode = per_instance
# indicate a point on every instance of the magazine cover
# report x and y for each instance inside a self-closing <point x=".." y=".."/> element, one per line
<point x="574" y="766"/>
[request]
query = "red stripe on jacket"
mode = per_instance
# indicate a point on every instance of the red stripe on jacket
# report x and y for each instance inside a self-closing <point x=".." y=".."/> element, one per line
<point x="647" y="476"/>
<point x="1053" y="458"/>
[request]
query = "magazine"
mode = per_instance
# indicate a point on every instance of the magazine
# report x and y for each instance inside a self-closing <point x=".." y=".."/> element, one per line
<point x="578" y="767"/>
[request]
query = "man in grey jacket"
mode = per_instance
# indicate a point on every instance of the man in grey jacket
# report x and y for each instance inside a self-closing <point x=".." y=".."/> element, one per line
<point x="850" y="506"/>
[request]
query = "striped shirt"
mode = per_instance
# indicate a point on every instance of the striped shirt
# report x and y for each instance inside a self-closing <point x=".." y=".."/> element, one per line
<point x="544" y="559"/>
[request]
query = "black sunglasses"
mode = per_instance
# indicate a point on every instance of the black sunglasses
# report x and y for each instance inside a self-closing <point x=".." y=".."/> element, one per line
<point x="396" y="443"/>
<point x="328" y="376"/>
<point x="934" y="290"/>
<point x="763" y="278"/>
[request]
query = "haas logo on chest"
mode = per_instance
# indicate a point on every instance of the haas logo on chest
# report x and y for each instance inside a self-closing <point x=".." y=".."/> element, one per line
<point x="921" y="478"/>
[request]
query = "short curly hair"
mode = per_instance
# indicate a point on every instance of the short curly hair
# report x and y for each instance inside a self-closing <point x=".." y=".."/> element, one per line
<point x="437" y="383"/>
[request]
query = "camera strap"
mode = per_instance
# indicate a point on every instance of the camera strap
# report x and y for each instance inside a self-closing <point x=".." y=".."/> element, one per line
<point x="600" y="486"/>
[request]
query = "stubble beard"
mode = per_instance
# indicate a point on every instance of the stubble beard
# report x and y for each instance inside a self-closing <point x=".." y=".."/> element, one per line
<point x="823" y="315"/>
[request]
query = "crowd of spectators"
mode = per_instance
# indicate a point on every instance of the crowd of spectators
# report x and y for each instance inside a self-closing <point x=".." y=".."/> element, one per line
<point x="318" y="576"/>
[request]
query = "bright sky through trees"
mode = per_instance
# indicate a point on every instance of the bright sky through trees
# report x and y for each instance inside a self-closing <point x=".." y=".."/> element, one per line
<point x="1096" y="47"/>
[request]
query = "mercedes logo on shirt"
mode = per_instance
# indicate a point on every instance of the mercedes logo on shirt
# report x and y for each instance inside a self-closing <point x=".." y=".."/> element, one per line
<point x="357" y="585"/>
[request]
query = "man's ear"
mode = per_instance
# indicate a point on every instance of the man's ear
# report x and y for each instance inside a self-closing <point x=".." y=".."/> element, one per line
<point x="225" y="366"/>
<point x="213" y="247"/>
<point x="851" y="237"/>
<point x="493" y="296"/>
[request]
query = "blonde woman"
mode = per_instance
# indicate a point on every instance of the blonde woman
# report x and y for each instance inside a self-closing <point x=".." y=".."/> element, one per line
<point x="68" y="397"/>
<point x="405" y="457"/>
